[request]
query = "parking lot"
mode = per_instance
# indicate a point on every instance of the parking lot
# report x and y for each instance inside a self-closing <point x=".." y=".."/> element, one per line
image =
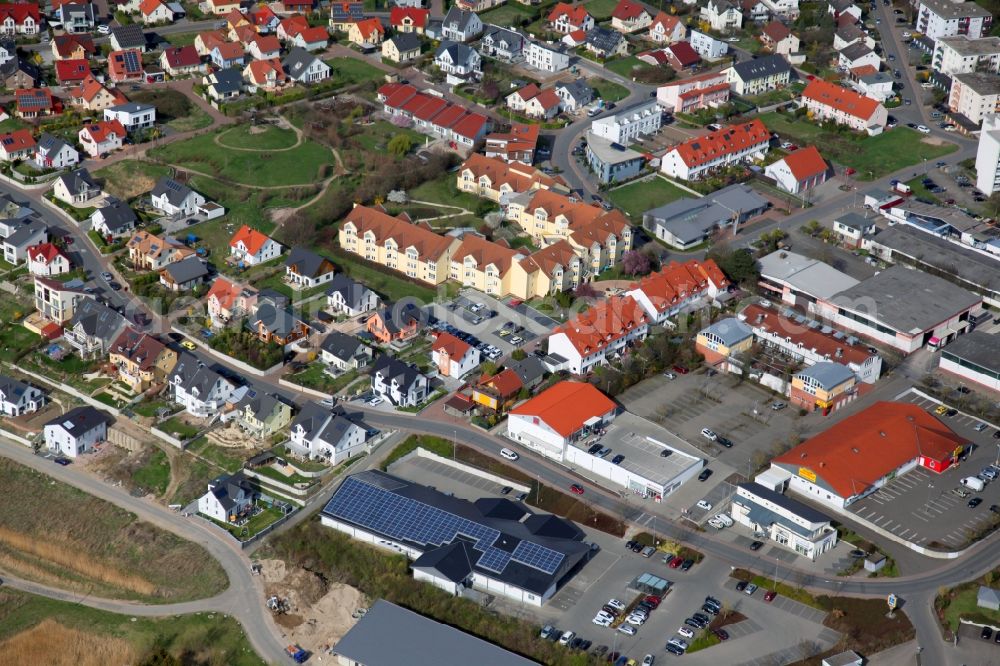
<point x="492" y="322"/>
<point x="922" y="506"/>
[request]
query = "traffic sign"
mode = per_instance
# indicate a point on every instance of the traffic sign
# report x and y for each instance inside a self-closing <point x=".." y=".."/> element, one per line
<point x="892" y="601"/>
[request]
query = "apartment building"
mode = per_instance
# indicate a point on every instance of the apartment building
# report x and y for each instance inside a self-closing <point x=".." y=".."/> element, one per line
<point x="828" y="101"/>
<point x="496" y="180"/>
<point x="944" y="18"/>
<point x="698" y="92"/>
<point x="988" y="156"/>
<point x="678" y="286"/>
<point x="627" y="126"/>
<point x="975" y="95"/>
<point x="733" y="144"/>
<point x="595" y="335"/>
<point x="964" y="55"/>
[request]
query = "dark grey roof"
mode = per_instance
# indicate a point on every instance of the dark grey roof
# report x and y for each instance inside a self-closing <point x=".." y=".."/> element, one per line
<point x="394" y="369"/>
<point x="453" y="561"/>
<point x="827" y="373"/>
<point x="187" y="269"/>
<point x="787" y="503"/>
<point x="425" y="519"/>
<point x="841" y="5"/>
<point x="19" y="63"/>
<point x="907" y="300"/>
<point x="80" y="420"/>
<point x="765" y="66"/>
<point x="227" y="489"/>
<point x="495" y="34"/>
<point x="27" y="234"/>
<point x="691" y="219"/>
<point x="850" y="32"/>
<point x="856" y="50"/>
<point x="458" y="53"/>
<point x="51" y="144"/>
<point x="352" y="292"/>
<point x="228" y="80"/>
<point x="306" y="261"/>
<point x="396" y="317"/>
<point x="176" y="193"/>
<point x="343" y="346"/>
<point x="977" y="347"/>
<point x="854" y="221"/>
<point x="97" y="320"/>
<point x="78" y="181"/>
<point x="12" y="389"/>
<point x="7" y="44"/>
<point x="191" y="374"/>
<point x="324" y="424"/>
<point x="129" y="36"/>
<point x="578" y="90"/>
<point x="117" y="215"/>
<point x="457" y="19"/>
<point x="278" y="321"/>
<point x="406" y="41"/>
<point x="530" y="369"/>
<point x="297" y="61"/>
<point x="416" y="641"/>
<point x="261" y="405"/>
<point x="604" y="39"/>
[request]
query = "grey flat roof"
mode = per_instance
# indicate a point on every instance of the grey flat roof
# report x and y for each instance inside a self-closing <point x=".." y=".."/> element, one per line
<point x="907" y="300"/>
<point x="965" y="46"/>
<point x="977" y="347"/>
<point x="827" y="373"/>
<point x="804" y="511"/>
<point x="730" y="330"/>
<point x="389" y="635"/>
<point x="983" y="84"/>
<point x="607" y="152"/>
<point x="947" y="9"/>
<point x="805" y="274"/>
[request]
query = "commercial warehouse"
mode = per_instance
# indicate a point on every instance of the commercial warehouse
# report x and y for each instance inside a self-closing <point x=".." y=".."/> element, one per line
<point x="975" y="357"/>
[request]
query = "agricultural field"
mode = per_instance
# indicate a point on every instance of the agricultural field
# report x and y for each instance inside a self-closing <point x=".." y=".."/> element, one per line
<point x="54" y="534"/>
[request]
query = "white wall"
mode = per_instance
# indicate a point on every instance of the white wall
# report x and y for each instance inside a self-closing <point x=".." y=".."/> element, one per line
<point x="537" y="437"/>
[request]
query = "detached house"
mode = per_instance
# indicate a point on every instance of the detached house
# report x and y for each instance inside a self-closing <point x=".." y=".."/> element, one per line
<point x="755" y="77"/>
<point x="72" y="47"/>
<point x="394" y="323"/>
<point x="251" y="247"/>
<point x="92" y="95"/>
<point x="263" y="47"/>
<point x="367" y="33"/>
<point x="350" y="297"/>
<point x="502" y="44"/>
<point x="51" y="152"/>
<point x="546" y="57"/>
<point x="128" y="37"/>
<point x="303" y="67"/>
<point x="33" y="102"/>
<point x="15" y="246"/>
<point x="666" y="29"/>
<point x="408" y="19"/>
<point x="273" y="323"/>
<point x="185" y="274"/>
<point x="154" y="12"/>
<point x="722" y="15"/>
<point x="399" y="383"/>
<point x="460" y="62"/>
<point x="566" y="18"/>
<point x="172" y="198"/>
<point x="315" y="39"/>
<point x="228" y="55"/>
<point x="228" y="499"/>
<point x="17" y="397"/>
<point x="125" y="65"/>
<point x="307" y="269"/>
<point x="76" y="432"/>
<point x="76" y="187"/>
<point x="343" y="14"/>
<point x="266" y="75"/>
<point x="17" y="145"/>
<point x="132" y="115"/>
<point x="113" y="219"/>
<point x="402" y="47"/>
<point x="777" y="38"/>
<point x="147" y="252"/>
<point x="93" y="328"/>
<point x="227" y="301"/>
<point x="605" y="43"/>
<point x="453" y="357"/>
<point x="224" y="84"/>
<point x="858" y="55"/>
<point x="72" y="71"/>
<point x="629" y="17"/>
<point x="57" y="302"/>
<point x="46" y="259"/>
<point x="202" y="392"/>
<point x="327" y="434"/>
<point x="181" y="60"/>
<point x="262" y="415"/>
<point x="141" y="359"/>
<point x="344" y="352"/>
<point x="76" y="17"/>
<point x="461" y="26"/>
<point x="102" y="137"/>
<point x="799" y="170"/>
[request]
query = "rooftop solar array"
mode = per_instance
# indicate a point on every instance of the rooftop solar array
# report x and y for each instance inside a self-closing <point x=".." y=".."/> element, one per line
<point x="132" y="61"/>
<point x="405" y="519"/>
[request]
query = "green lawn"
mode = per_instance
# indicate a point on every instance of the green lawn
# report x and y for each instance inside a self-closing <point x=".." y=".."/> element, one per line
<point x="637" y="198"/>
<point x="348" y="71"/>
<point x="155" y="474"/>
<point x="508" y="15"/>
<point x="229" y="460"/>
<point x="314" y="377"/>
<point x="177" y="428"/>
<point x="389" y="286"/>
<point x="257" y="523"/>
<point x="442" y="190"/>
<point x="262" y="137"/>
<point x="302" y="165"/>
<point x="872" y="157"/>
<point x="601" y="9"/>
<point x="624" y="66"/>
<point x="175" y="109"/>
<point x="376" y="136"/>
<point x="608" y="90"/>
<point x="130" y="178"/>
<point x="15" y="339"/>
<point x="292" y="479"/>
<point x="11" y="124"/>
<point x="214" y="637"/>
<point x="183" y="39"/>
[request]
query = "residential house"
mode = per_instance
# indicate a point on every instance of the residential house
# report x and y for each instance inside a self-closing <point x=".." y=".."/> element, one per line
<point x="502" y="44"/>
<point x="224" y="84"/>
<point x="799" y="170"/>
<point x="758" y="11"/>
<point x="272" y="322"/>
<point x="530" y="370"/>
<point x="612" y="162"/>
<point x="17" y="145"/>
<point x="77" y="431"/>
<point x="19" y="72"/>
<point x="679" y="56"/>
<point x="227" y="301"/>
<point x="132" y="115"/>
<point x="228" y="55"/>
<point x="497" y="392"/>
<point x="408" y="19"/>
<point x="350" y="297"/>
<point x="366" y="33"/>
<point x="603" y="330"/>
<point x="71" y="47"/>
<point x="483" y="264"/>
<point x="839" y="8"/>
<point x="965" y="55"/>
<point x="399" y="383"/>
<point x="566" y="18"/>
<point x="8" y="50"/>
<point x="515" y="142"/>
<point x="57" y="301"/>
<point x="69" y="72"/>
<point x="300" y="6"/>
<point x="223" y="7"/>
<point x="496" y="180"/>
<point x="666" y="29"/>
<point x="858" y="55"/>
<point x="828" y="101"/>
<point x="307" y="269"/>
<point x="201" y="391"/>
<point x="52" y="152"/>
<point x="458" y="61"/>
<point x="344" y="352"/>
<point x="871" y="83"/>
<point x="550" y="58"/>
<point x="264" y="19"/>
<point x="851" y="229"/>
<point x="402" y="47"/>
<point x="76" y="17"/>
<point x="125" y="65"/>
<point x="21" y="18"/>
<point x="263" y="415"/>
<point x="605" y="43"/>
<point x="17" y="397"/>
<point x="944" y="18"/>
<point x="33" y="102"/>
<point x="102" y="137"/>
<point x="629" y="16"/>
<point x="974" y="95"/>
<point x="433" y="115"/>
<point x="626" y="126"/>
<point x="327" y="434"/>
<point x="708" y="47"/>
<point x="733" y="144"/>
<point x="343" y="14"/>
<point x="686" y="223"/>
<point x="204" y="42"/>
<point x="180" y="60"/>
<point x="725" y="344"/>
<point x="722" y="16"/>
<point x="263" y="47"/>
<point x="461" y="26"/>
<point x="535" y="103"/>
<point x="93" y="328"/>
<point x="478" y="5"/>
<point x="777" y="38"/>
<point x="849" y="34"/>
<point x="155" y="12"/>
<point x="142" y="360"/>
<point x="704" y="91"/>
<point x="303" y="67"/>
<point x="127" y="38"/>
<point x="172" y="198"/>
<point x="76" y="187"/>
<point x="395" y="323"/>
<point x="574" y="95"/>
<point x="251" y="247"/>
<point x="147" y="252"/>
<point x="453" y="357"/>
<point x="184" y="275"/>
<point x="29" y="233"/>
<point x="92" y="95"/>
<point x="229" y="499"/>
<point x="113" y="219"/>
<point x="677" y="287"/>
<point x="755" y="77"/>
<point x="396" y="243"/>
<point x="788" y="9"/>
<point x="266" y="75"/>
<point x="548" y="271"/>
<point x="46" y="260"/>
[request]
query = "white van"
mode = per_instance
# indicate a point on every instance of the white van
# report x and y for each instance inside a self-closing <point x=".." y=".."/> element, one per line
<point x="974" y="483"/>
<point x="724" y="519"/>
<point x="508" y="454"/>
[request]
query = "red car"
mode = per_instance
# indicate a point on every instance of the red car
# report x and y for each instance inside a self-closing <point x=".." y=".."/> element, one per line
<point x="680" y="369"/>
<point x="653" y="601"/>
<point x="676" y="562"/>
<point x="576" y="488"/>
<point x="770" y="595"/>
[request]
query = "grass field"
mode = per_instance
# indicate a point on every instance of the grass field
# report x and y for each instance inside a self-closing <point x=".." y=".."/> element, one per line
<point x="389" y="286"/>
<point x="155" y="474"/>
<point x="55" y="534"/>
<point x="637" y="198"/>
<point x="348" y="71"/>
<point x="376" y="136"/>
<point x="36" y="630"/>
<point x="174" y="109"/>
<point x="14" y="338"/>
<point x="872" y="157"/>
<point x="302" y="165"/>
<point x="231" y="461"/>
<point x="608" y="90"/>
<point x="130" y="178"/>
<point x="508" y="15"/>
<point x="177" y="428"/>
<point x="601" y="9"/>
<point x="264" y="137"/>
<point x="443" y="191"/>
<point x="624" y="66"/>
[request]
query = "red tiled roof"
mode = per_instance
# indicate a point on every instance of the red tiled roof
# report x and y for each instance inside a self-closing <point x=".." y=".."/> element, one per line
<point x="252" y="239"/>
<point x="684" y="53"/>
<point x="484" y="252"/>
<point x="182" y="56"/>
<point x="730" y="139"/>
<point x="369" y="27"/>
<point x="429" y="245"/>
<point x="776" y="31"/>
<point x="668" y="21"/>
<point x="560" y="253"/>
<point x="317" y="34"/>
<point x="576" y="14"/>
<point x="67" y="44"/>
<point x="450" y="345"/>
<point x="864" y="70"/>
<point x="210" y="38"/>
<point x="805" y="163"/>
<point x="548" y="99"/>
<point x="140" y="348"/>
<point x="470" y="126"/>
<point x="262" y="15"/>
<point x="147" y="7"/>
<point x="46" y="252"/>
<point x="266" y="43"/>
<point x="841" y="99"/>
<point x="604" y="323"/>
<point x="500" y="173"/>
<point x="293" y="25"/>
<point x="230" y="51"/>
<point x="119" y="65"/>
<point x="70" y="71"/>
<point x="225" y="291"/>
<point x="626" y="10"/>
<point x="99" y="131"/>
<point x="757" y="316"/>
<point x="506" y="382"/>
<point x="418" y="17"/>
<point x="34" y="99"/>
<point x="567" y="406"/>
<point x="850" y="456"/>
<point x="235" y="17"/>
<point x="528" y="91"/>
<point x="677" y="281"/>
<point x="20" y="11"/>
<point x="259" y="70"/>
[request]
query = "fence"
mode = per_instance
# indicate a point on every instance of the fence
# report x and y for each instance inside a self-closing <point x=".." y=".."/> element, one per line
<point x="122" y="439"/>
<point x="245" y="367"/>
<point x="17" y="438"/>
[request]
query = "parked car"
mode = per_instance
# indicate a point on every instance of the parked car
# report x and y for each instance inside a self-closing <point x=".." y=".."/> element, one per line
<point x="709" y="434"/>
<point x="986" y="634"/>
<point x="705" y="473"/>
<point x="508" y="454"/>
<point x="770" y="595"/>
<point x="778" y="405"/>
<point x="685" y="632"/>
<point x="567" y="637"/>
<point x="756" y="545"/>
<point x="62" y="460"/>
<point x="704" y="505"/>
<point x="686" y="565"/>
<point x="750" y="589"/>
<point x="627" y="629"/>
<point x="722" y="634"/>
<point x="576" y="488"/>
<point x="742" y="585"/>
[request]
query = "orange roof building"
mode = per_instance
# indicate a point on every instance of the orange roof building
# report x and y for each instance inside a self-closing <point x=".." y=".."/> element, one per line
<point x="561" y="414"/>
<point x="729" y="145"/>
<point x="602" y="331"/>
<point x="666" y="28"/>
<point x="828" y="101"/>
<point x="566" y="18"/>
<point x="453" y="357"/>
<point x="677" y="285"/>
<point x="864" y="452"/>
<point x="496" y="180"/>
<point x="799" y="170"/>
<point x="252" y="247"/>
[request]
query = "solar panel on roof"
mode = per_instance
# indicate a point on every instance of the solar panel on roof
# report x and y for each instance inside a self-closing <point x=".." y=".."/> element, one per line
<point x="494" y="560"/>
<point x="538" y="557"/>
<point x="132" y="61"/>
